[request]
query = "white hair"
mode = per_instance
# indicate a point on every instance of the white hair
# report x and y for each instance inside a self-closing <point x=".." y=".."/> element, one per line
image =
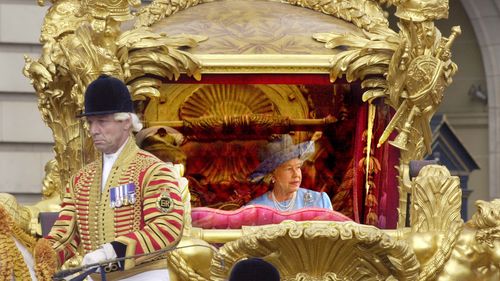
<point x="136" y="123"/>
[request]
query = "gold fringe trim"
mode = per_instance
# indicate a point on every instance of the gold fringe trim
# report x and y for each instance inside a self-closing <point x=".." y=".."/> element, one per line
<point x="11" y="260"/>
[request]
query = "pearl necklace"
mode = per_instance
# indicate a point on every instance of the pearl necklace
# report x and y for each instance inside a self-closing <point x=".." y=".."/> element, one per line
<point x="286" y="206"/>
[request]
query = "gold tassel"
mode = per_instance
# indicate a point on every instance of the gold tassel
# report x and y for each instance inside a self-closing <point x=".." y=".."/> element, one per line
<point x="371" y="201"/>
<point x="45" y="260"/>
<point x="371" y="218"/>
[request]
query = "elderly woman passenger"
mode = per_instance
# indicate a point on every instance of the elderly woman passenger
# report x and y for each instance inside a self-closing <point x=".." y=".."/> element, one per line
<point x="281" y="168"/>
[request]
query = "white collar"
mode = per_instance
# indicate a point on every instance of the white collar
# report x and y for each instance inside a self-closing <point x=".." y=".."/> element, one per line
<point x="113" y="156"/>
<point x="108" y="160"/>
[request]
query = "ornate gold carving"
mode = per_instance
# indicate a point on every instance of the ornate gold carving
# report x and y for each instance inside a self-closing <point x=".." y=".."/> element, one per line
<point x="58" y="94"/>
<point x="482" y="236"/>
<point x="349" y="251"/>
<point x="448" y="249"/>
<point x="20" y="214"/>
<point x="192" y="263"/>
<point x="424" y="82"/>
<point x="248" y="127"/>
<point x="417" y="67"/>
<point x="118" y="10"/>
<point x="413" y="69"/>
<point x="201" y="126"/>
<point x="159" y="9"/>
<point x="418" y="11"/>
<point x="226" y="100"/>
<point x="81" y="41"/>
<point x="367" y="55"/>
<point x="148" y="58"/>
<point x="264" y="63"/>
<point x="435" y="210"/>
<point x="364" y="14"/>
<point x="276" y="28"/>
<point x="287" y="99"/>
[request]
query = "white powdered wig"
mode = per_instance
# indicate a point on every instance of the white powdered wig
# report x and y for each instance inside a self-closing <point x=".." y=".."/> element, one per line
<point x="136" y="123"/>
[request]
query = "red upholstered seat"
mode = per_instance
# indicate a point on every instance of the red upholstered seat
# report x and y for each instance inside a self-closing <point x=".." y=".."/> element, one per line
<point x="209" y="218"/>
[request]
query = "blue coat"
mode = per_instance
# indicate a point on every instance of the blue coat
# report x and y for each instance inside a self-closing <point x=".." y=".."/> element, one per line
<point x="305" y="199"/>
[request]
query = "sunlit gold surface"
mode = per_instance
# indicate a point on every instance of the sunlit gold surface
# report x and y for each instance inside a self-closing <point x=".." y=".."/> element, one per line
<point x="476" y="255"/>
<point x="409" y="68"/>
<point x="435" y="218"/>
<point x="349" y="251"/>
<point x="264" y="63"/>
<point x="446" y="248"/>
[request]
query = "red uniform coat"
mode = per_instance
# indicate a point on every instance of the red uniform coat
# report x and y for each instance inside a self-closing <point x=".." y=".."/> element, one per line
<point x="87" y="219"/>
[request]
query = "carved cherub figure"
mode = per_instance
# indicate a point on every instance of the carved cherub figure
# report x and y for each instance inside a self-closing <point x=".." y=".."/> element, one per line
<point x="476" y="254"/>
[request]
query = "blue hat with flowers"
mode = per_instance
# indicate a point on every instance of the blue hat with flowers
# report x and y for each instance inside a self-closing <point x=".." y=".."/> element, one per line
<point x="277" y="152"/>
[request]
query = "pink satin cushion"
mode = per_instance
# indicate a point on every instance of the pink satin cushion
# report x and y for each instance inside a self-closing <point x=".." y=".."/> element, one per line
<point x="209" y="218"/>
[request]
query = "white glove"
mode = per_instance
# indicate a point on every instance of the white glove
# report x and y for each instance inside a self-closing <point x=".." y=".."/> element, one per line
<point x="106" y="252"/>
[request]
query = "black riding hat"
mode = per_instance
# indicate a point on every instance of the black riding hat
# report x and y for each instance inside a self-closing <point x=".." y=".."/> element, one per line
<point x="254" y="269"/>
<point x="107" y="95"/>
